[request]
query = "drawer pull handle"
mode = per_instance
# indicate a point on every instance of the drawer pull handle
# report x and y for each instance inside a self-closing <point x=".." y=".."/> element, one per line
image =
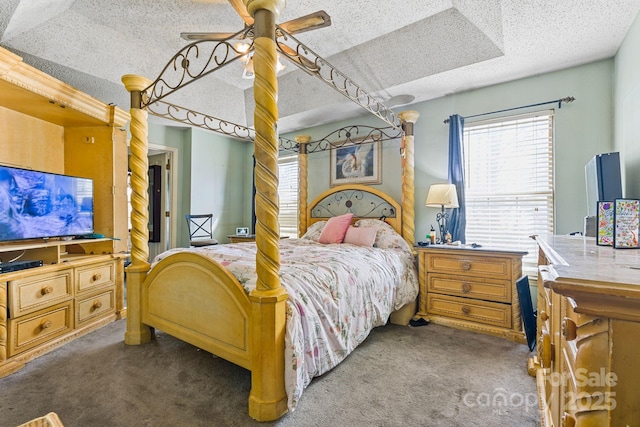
<point x="97" y="305"/>
<point x="466" y="310"/>
<point x="544" y="316"/>
<point x="45" y="325"/>
<point x="569" y="329"/>
<point x="466" y="266"/>
<point x="46" y="290"/>
<point x="545" y="350"/>
<point x="96" y="277"/>
<point x="466" y="288"/>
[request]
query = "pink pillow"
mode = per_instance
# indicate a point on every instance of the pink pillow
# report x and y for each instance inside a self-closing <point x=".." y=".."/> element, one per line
<point x="335" y="229"/>
<point x="361" y="236"/>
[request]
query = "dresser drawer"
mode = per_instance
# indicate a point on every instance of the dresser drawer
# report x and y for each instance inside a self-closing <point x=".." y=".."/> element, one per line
<point x="486" y="289"/>
<point x="585" y="339"/>
<point x="29" y="331"/>
<point x="490" y="313"/>
<point x="94" y="277"/>
<point x="39" y="291"/>
<point x="469" y="265"/>
<point x="89" y="308"/>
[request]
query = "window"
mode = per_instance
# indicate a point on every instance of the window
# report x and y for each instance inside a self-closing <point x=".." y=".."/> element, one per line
<point x="509" y="182"/>
<point x="288" y="195"/>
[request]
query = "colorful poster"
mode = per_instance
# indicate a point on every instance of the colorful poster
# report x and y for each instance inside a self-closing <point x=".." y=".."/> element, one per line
<point x="626" y="223"/>
<point x="605" y="224"/>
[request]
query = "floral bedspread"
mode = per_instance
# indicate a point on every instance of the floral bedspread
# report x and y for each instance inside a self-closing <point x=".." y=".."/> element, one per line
<point x="337" y="294"/>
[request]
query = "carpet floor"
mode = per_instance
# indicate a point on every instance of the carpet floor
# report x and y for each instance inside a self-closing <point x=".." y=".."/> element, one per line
<point x="400" y="376"/>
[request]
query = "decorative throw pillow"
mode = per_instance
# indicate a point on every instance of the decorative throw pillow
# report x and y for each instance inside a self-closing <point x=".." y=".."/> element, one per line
<point x="360" y="236"/>
<point x="314" y="230"/>
<point x="335" y="229"/>
<point x="386" y="236"/>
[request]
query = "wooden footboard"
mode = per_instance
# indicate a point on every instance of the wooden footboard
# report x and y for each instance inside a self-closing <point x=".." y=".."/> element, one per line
<point x="197" y="300"/>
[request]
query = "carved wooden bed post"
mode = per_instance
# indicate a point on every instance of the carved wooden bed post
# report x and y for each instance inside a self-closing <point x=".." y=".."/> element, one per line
<point x="408" y="176"/>
<point x="302" y="141"/>
<point x="137" y="332"/>
<point x="268" y="399"/>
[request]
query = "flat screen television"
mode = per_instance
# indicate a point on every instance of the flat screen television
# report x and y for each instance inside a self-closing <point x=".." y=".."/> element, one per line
<point x="37" y="204"/>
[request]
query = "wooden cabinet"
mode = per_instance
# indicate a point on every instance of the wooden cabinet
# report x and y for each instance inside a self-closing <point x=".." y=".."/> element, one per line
<point x="588" y="329"/>
<point x="471" y="288"/>
<point x="43" y="307"/>
<point x="50" y="126"/>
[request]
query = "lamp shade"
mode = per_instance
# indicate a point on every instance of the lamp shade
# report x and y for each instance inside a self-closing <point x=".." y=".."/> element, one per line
<point x="442" y="195"/>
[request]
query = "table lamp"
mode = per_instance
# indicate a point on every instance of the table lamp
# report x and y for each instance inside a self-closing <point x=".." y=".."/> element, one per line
<point x="442" y="196"/>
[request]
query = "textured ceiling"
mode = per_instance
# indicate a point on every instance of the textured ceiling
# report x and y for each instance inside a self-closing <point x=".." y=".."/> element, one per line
<point x="425" y="49"/>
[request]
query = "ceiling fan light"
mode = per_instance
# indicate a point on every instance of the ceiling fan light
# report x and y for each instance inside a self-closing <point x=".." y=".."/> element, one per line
<point x="279" y="65"/>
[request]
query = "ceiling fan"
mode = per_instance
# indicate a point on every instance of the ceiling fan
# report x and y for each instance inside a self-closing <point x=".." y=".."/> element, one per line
<point x="309" y="22"/>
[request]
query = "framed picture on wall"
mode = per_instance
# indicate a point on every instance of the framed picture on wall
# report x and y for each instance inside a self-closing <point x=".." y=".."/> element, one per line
<point x="605" y="224"/>
<point x="357" y="162"/>
<point x="626" y="223"/>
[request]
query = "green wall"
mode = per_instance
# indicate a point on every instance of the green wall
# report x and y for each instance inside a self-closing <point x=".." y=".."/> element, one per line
<point x="627" y="109"/>
<point x="582" y="129"/>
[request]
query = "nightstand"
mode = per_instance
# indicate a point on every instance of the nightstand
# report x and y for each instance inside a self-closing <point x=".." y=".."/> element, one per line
<point x="471" y="288"/>
<point x="241" y="238"/>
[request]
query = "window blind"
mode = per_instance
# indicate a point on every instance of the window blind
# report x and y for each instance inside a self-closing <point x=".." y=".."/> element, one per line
<point x="509" y="182"/>
<point x="288" y="195"/>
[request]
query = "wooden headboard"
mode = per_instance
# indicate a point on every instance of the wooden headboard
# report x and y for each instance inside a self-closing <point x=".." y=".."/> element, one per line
<point x="360" y="200"/>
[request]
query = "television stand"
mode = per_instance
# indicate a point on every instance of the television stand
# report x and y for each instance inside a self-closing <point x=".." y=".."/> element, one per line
<point x="77" y="287"/>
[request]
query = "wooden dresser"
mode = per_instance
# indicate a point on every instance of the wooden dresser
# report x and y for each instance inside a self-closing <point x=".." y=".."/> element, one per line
<point x="471" y="288"/>
<point x="588" y="333"/>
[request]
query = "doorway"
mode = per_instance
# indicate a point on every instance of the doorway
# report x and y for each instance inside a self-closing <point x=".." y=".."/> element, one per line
<point x="163" y="160"/>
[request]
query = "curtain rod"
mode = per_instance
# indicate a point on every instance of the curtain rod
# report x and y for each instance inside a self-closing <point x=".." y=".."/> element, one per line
<point x="558" y="101"/>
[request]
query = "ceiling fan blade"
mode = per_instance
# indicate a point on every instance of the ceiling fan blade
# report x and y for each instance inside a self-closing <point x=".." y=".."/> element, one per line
<point x="309" y="22"/>
<point x="207" y="36"/>
<point x="308" y="66"/>
<point x="238" y="5"/>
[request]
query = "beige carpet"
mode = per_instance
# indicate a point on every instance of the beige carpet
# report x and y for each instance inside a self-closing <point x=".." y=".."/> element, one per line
<point x="400" y="376"/>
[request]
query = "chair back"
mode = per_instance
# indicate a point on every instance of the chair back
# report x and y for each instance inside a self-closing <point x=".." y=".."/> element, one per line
<point x="200" y="229"/>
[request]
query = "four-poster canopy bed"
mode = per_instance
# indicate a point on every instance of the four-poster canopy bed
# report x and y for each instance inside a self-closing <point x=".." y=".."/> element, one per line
<point x="196" y="298"/>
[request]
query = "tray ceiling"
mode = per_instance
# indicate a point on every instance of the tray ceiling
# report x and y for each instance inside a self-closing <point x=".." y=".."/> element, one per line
<point x="395" y="49"/>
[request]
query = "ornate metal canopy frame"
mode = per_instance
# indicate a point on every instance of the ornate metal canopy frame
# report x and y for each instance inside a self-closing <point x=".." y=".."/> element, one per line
<point x="203" y="57"/>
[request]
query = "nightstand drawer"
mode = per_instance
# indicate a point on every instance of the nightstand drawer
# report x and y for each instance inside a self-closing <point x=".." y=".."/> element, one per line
<point x="486" y="312"/>
<point x="468" y="287"/>
<point x="470" y="265"/>
<point x="34" y="329"/>
<point x="39" y="291"/>
<point x="94" y="277"/>
<point x="95" y="306"/>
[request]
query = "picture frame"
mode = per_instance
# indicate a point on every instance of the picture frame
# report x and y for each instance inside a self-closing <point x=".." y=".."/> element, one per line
<point x="605" y="224"/>
<point x="626" y="218"/>
<point x="357" y="162"/>
<point x="242" y="231"/>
